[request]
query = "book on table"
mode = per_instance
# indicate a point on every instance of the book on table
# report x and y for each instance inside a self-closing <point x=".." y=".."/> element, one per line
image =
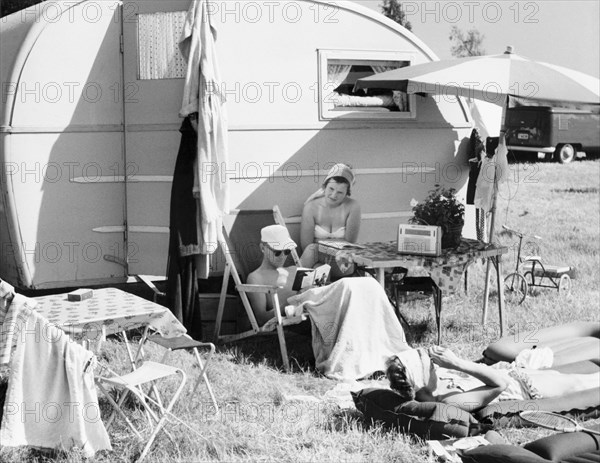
<point x="310" y="277"/>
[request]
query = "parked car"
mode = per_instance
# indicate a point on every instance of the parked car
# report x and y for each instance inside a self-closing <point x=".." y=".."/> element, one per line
<point x="558" y="133"/>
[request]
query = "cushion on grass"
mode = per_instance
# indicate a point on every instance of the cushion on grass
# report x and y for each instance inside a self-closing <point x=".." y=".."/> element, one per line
<point x="576" y="447"/>
<point x="584" y="404"/>
<point x="570" y="343"/>
<point x="560" y="446"/>
<point x="429" y="420"/>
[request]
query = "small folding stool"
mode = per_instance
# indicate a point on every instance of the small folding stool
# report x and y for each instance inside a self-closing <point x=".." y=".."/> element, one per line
<point x="156" y="413"/>
<point x="185" y="342"/>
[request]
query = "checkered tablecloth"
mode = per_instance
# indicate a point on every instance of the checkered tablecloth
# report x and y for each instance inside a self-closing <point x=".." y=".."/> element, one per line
<point x="109" y="311"/>
<point x="446" y="269"/>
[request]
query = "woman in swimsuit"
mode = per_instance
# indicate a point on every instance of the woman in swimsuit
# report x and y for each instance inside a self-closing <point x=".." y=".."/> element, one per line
<point x="330" y="213"/>
<point x="413" y="376"/>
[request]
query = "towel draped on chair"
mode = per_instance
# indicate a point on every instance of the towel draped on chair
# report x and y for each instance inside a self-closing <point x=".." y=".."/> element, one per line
<point x="51" y="400"/>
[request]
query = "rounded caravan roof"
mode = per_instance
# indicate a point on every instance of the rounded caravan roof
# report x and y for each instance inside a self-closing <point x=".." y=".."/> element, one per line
<point x="20" y="31"/>
<point x="36" y="40"/>
<point x="38" y="56"/>
<point x="380" y="18"/>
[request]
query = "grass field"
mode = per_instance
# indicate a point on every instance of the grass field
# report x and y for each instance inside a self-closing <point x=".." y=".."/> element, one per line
<point x="265" y="415"/>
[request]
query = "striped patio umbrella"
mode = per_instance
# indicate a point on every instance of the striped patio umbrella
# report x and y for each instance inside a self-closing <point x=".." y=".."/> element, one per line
<point x="491" y="78"/>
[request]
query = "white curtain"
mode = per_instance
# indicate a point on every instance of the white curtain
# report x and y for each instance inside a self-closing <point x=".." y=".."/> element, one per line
<point x="337" y="73"/>
<point x="158" y="45"/>
<point x="378" y="69"/>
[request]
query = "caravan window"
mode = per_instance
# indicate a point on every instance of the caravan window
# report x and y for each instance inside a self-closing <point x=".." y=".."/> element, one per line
<point x="339" y="71"/>
<point x="158" y="37"/>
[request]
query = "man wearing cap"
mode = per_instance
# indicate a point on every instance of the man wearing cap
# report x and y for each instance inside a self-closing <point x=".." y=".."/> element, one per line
<point x="276" y="245"/>
<point x="354" y="327"/>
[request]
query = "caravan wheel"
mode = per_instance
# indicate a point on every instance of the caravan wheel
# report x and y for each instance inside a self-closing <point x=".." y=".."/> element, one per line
<point x="564" y="153"/>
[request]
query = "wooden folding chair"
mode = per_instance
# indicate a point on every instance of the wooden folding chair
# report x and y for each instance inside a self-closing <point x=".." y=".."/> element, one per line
<point x="280" y="220"/>
<point x="239" y="242"/>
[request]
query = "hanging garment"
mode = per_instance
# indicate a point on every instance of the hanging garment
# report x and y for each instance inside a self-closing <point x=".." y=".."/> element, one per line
<point x="185" y="262"/>
<point x="476" y="153"/>
<point x="484" y="189"/>
<point x="203" y="94"/>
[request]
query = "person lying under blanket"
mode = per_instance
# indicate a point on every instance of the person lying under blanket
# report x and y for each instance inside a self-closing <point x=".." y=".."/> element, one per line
<point x="354" y="327"/>
<point x="426" y="375"/>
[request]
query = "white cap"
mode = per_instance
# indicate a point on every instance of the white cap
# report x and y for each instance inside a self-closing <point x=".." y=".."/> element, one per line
<point x="277" y="237"/>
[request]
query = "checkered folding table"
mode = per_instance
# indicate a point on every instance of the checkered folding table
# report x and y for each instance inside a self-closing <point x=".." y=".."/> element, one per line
<point x="445" y="270"/>
<point x="109" y="311"/>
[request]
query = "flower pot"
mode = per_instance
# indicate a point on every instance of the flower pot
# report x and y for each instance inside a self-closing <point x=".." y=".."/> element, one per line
<point x="451" y="236"/>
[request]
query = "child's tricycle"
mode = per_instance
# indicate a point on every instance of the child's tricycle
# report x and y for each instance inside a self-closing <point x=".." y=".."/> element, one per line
<point x="530" y="272"/>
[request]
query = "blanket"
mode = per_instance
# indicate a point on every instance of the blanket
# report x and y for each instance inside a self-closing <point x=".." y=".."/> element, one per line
<point x="51" y="400"/>
<point x="354" y="327"/>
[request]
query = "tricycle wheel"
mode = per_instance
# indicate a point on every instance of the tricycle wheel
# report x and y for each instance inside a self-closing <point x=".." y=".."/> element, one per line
<point x="515" y="288"/>
<point x="529" y="279"/>
<point x="564" y="284"/>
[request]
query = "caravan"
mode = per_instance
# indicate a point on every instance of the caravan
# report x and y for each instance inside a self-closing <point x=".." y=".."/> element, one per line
<point x="89" y="127"/>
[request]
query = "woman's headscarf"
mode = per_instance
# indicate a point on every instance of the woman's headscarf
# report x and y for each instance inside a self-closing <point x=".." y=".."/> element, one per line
<point x="418" y="366"/>
<point x="338" y="170"/>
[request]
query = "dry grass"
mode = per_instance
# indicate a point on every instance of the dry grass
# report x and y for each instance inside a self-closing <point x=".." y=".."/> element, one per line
<point x="259" y="419"/>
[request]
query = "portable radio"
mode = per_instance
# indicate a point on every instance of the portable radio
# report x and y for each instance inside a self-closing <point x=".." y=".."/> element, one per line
<point x="419" y="239"/>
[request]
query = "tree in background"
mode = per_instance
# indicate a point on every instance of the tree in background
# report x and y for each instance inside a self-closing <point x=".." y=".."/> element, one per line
<point x="468" y="44"/>
<point x="10" y="6"/>
<point x="393" y="10"/>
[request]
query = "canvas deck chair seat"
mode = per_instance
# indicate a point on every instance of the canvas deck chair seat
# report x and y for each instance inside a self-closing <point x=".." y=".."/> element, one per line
<point x="239" y="243"/>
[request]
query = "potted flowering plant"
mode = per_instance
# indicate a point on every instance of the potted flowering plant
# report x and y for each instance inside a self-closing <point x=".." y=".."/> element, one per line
<point x="441" y="207"/>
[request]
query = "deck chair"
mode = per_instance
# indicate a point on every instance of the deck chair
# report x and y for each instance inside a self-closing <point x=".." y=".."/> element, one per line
<point x="239" y="242"/>
<point x="280" y="220"/>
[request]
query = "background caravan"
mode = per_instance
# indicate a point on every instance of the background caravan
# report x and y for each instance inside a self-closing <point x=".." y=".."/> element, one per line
<point x="90" y="129"/>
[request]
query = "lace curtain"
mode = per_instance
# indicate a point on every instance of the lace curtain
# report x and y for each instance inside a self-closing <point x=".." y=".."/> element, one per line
<point x="378" y="69"/>
<point x="158" y="45"/>
<point x="337" y="73"/>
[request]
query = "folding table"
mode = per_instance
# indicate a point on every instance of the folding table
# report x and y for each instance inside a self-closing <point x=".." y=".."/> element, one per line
<point x="109" y="311"/>
<point x="445" y="270"/>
